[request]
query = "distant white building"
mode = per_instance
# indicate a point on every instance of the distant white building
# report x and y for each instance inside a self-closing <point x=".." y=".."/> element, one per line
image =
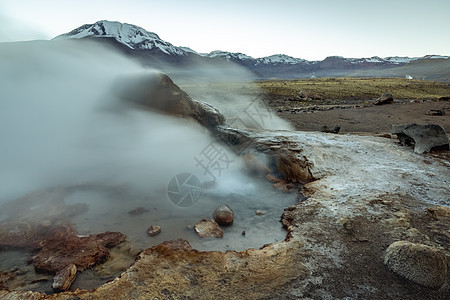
<point x="408" y="77"/>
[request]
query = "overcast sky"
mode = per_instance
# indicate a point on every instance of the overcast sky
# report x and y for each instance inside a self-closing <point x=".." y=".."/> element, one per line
<point x="312" y="29"/>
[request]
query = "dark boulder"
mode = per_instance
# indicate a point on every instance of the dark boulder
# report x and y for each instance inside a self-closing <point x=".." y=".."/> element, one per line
<point x="424" y="137"/>
<point x="436" y="112"/>
<point x="386" y="98"/>
<point x="335" y="130"/>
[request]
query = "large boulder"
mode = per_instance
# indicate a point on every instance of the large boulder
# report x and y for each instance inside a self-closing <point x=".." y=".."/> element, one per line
<point x="419" y="263"/>
<point x="424" y="137"/>
<point x="157" y="91"/>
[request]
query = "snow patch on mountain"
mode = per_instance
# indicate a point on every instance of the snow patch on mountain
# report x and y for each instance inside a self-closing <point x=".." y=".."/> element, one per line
<point x="132" y="36"/>
<point x="435" y="57"/>
<point x="280" y="59"/>
<point x="228" y="55"/>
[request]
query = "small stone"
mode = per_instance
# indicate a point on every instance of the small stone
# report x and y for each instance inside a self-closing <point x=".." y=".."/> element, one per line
<point x="243" y="233"/>
<point x="259" y="213"/>
<point x="208" y="228"/>
<point x="154" y="230"/>
<point x="137" y="211"/>
<point x="419" y="263"/>
<point x="436" y="112"/>
<point x="386" y="98"/>
<point x="64" y="279"/>
<point x="223" y="215"/>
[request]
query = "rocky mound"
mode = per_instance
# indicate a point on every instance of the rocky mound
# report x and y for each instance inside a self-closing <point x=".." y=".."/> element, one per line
<point x="157" y="91"/>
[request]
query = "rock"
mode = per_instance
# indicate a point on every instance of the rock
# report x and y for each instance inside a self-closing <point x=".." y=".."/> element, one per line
<point x="444" y="98"/>
<point x="208" y="228"/>
<point x="61" y="246"/>
<point x="439" y="212"/>
<point x="424" y="137"/>
<point x="419" y="263"/>
<point x="436" y="112"/>
<point x="64" y="279"/>
<point x="302" y="95"/>
<point x="157" y="91"/>
<point x="137" y="211"/>
<point x="243" y="233"/>
<point x="238" y="140"/>
<point x="153" y="230"/>
<point x="223" y="215"/>
<point x="259" y="213"/>
<point x="256" y="165"/>
<point x="335" y="130"/>
<point x="4" y="278"/>
<point x="275" y="177"/>
<point x="386" y="98"/>
<point x="292" y="167"/>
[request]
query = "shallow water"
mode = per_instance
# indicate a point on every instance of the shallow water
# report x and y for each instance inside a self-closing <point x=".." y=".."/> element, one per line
<point x="108" y="210"/>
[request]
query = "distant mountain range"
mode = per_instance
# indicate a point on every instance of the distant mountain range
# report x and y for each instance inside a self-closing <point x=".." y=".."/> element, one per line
<point x="151" y="50"/>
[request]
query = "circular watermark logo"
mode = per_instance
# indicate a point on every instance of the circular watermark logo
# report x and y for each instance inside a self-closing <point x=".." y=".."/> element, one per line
<point x="184" y="190"/>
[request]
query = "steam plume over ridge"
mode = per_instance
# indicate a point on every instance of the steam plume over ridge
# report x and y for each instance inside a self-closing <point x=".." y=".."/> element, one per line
<point x="60" y="125"/>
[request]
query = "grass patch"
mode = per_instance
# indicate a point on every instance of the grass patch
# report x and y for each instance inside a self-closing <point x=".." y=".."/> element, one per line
<point x="354" y="88"/>
<point x="340" y="88"/>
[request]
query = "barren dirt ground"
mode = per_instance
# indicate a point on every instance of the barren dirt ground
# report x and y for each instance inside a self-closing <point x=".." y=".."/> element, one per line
<point x="370" y="119"/>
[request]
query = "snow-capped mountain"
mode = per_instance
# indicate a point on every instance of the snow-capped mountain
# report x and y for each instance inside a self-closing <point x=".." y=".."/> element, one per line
<point x="281" y="59"/>
<point x="129" y="35"/>
<point x="151" y="50"/>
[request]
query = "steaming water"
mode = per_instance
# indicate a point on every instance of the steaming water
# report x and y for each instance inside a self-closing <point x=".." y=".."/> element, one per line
<point x="60" y="126"/>
<point x="108" y="211"/>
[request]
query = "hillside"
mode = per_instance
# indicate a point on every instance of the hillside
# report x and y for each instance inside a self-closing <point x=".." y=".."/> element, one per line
<point x="151" y="51"/>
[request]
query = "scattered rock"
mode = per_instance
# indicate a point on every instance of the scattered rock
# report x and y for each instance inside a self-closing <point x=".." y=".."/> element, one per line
<point x="436" y="112"/>
<point x="419" y="263"/>
<point x="259" y="213"/>
<point x="424" y="137"/>
<point x="335" y="130"/>
<point x="64" y="279"/>
<point x="243" y="233"/>
<point x="208" y="228"/>
<point x="153" y="230"/>
<point x="223" y="215"/>
<point x="386" y="98"/>
<point x="137" y="211"/>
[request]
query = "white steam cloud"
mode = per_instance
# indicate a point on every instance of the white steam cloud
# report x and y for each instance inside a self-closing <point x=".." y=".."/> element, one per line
<point x="60" y="125"/>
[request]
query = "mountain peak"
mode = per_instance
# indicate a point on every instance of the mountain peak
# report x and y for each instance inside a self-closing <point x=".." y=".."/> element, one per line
<point x="132" y="36"/>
